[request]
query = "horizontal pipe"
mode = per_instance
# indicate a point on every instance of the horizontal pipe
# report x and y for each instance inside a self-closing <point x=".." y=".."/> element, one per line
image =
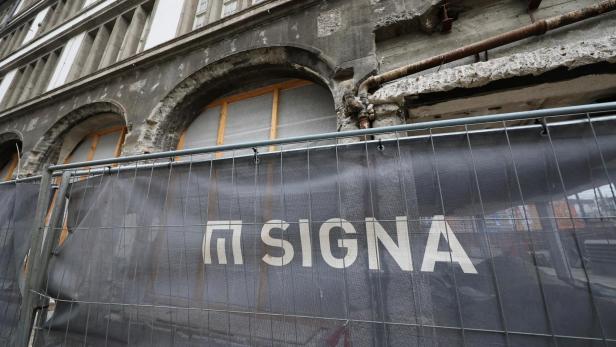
<point x="561" y="111"/>
<point x="538" y="28"/>
<point x="23" y="180"/>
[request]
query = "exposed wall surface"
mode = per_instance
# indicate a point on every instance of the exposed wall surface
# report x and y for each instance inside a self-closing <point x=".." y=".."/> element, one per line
<point x="336" y="43"/>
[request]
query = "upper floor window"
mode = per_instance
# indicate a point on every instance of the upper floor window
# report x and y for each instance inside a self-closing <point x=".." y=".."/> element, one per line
<point x="285" y="109"/>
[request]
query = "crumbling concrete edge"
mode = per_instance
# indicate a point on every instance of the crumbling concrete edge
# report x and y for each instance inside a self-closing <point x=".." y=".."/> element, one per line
<point x="532" y="63"/>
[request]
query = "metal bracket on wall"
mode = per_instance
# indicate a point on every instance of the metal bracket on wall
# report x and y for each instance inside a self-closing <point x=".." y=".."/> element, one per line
<point x="446" y="21"/>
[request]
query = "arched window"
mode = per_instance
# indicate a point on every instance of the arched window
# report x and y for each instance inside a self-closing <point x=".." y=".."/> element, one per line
<point x="94" y="145"/>
<point x="102" y="144"/>
<point x="99" y="137"/>
<point x="9" y="159"/>
<point x="285" y="109"/>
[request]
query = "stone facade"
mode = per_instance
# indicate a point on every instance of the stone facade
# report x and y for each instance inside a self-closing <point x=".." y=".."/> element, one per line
<point x="336" y="43"/>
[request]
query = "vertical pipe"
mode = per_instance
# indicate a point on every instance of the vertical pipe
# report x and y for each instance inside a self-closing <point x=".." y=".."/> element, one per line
<point x="110" y="55"/>
<point x="133" y="34"/>
<point x="96" y="52"/>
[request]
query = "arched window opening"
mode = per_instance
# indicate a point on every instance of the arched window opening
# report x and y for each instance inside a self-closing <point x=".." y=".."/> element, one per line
<point x="9" y="159"/>
<point x="280" y="110"/>
<point x="100" y="137"/>
<point x="94" y="145"/>
<point x="102" y="144"/>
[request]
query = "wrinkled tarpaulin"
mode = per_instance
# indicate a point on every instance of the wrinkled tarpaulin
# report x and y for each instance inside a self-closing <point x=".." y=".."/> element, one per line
<point x="16" y="214"/>
<point x="132" y="272"/>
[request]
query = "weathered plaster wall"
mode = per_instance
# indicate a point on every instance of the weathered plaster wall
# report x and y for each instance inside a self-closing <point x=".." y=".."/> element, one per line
<point x="331" y="42"/>
<point x="534" y="63"/>
<point x="140" y="91"/>
<point x="480" y="19"/>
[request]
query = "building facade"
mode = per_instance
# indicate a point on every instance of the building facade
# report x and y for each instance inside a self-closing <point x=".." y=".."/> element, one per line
<point x="84" y="80"/>
<point x="156" y="66"/>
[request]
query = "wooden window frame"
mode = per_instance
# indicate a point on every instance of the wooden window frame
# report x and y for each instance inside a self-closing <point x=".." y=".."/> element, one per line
<point x="12" y="166"/>
<point x="224" y="102"/>
<point x="94" y="138"/>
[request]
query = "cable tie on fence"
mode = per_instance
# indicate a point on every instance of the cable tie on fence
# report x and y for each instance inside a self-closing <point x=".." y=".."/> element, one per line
<point x="544" y="126"/>
<point x="380" y="147"/>
<point x="256" y="155"/>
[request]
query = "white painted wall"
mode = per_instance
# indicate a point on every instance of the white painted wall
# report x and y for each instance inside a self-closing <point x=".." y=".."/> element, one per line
<point x="165" y="22"/>
<point x="35" y="24"/>
<point x="65" y="62"/>
<point x="6" y="83"/>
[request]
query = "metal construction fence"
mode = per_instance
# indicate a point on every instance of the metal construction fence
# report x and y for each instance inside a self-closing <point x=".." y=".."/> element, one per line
<point x="485" y="231"/>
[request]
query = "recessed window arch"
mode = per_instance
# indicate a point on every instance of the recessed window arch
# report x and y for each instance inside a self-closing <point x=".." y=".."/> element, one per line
<point x="9" y="159"/>
<point x="99" y="137"/>
<point x="281" y="109"/>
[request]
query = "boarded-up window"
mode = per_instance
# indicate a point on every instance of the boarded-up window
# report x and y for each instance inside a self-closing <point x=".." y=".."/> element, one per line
<point x="287" y="109"/>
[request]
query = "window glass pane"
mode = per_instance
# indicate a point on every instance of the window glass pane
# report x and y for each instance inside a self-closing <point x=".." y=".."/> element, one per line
<point x="106" y="146"/>
<point x="249" y="120"/>
<point x="305" y="110"/>
<point x="80" y="153"/>
<point x="203" y="131"/>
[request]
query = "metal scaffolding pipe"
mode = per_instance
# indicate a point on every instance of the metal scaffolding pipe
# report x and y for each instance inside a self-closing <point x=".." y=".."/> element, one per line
<point x="538" y="28"/>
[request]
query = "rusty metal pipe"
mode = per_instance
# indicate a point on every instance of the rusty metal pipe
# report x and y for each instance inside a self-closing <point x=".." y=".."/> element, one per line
<point x="538" y="28"/>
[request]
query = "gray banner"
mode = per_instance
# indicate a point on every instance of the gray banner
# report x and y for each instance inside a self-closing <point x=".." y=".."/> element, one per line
<point x="16" y="214"/>
<point x="476" y="239"/>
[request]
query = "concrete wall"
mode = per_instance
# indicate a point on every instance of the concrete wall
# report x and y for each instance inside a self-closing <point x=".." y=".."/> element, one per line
<point x="330" y="42"/>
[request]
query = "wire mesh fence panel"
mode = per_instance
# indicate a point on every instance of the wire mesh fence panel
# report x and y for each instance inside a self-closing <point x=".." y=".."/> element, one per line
<point x="500" y="237"/>
<point x="15" y="227"/>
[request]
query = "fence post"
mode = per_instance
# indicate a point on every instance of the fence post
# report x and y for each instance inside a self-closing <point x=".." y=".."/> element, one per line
<point x="41" y="245"/>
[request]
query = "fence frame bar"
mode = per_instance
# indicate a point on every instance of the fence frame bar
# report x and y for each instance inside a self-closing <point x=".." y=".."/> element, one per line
<point x="44" y="235"/>
<point x="43" y="238"/>
<point x="561" y="111"/>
